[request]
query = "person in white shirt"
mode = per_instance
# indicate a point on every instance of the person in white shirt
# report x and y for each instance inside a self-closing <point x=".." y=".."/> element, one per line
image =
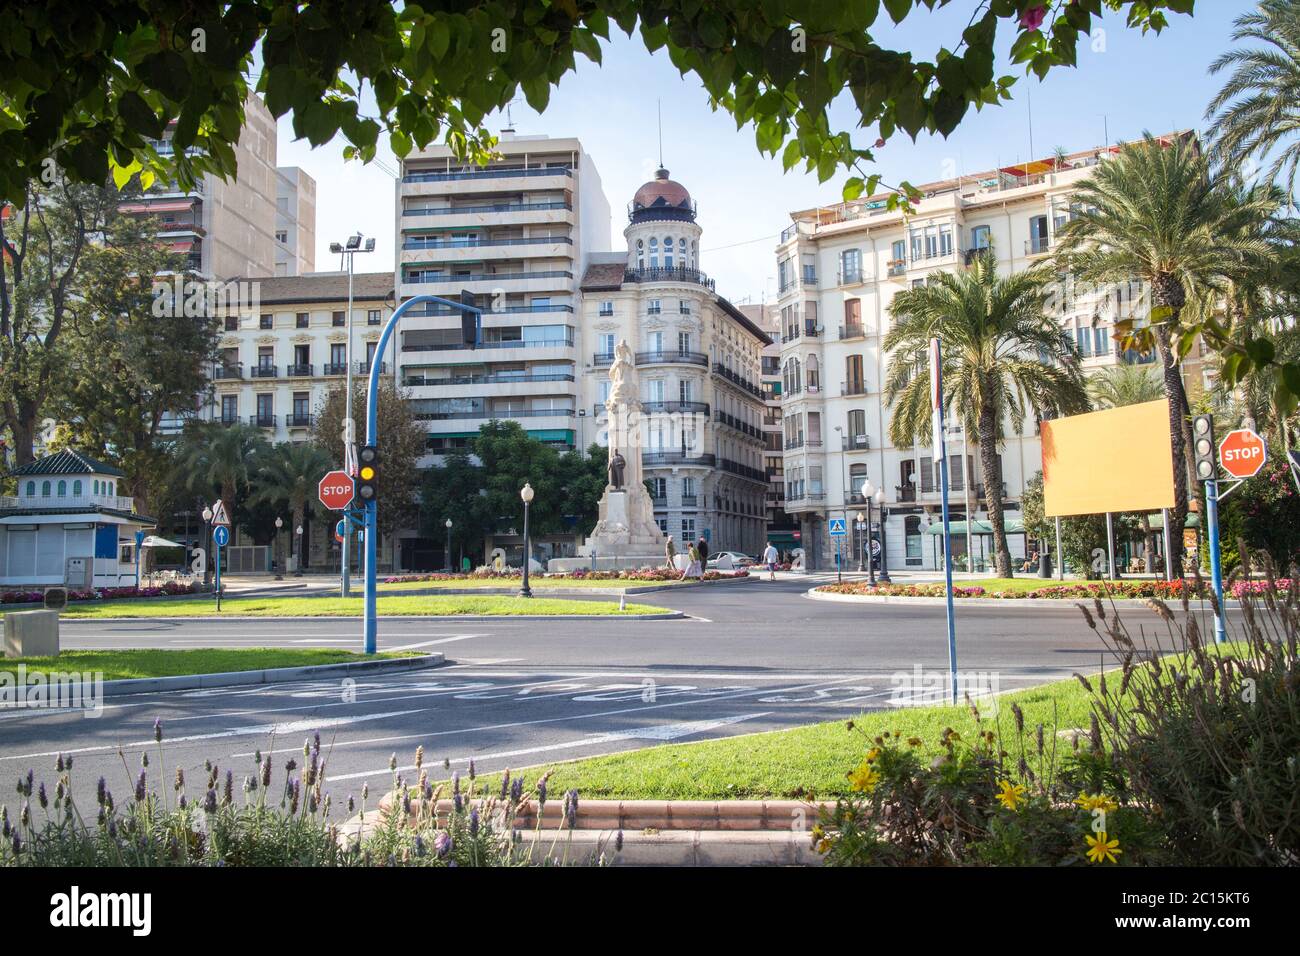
<point x="770" y="558"/>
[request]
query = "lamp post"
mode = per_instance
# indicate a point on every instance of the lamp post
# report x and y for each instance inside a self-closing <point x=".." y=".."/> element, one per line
<point x="279" y="568"/>
<point x="207" y="541"/>
<point x="582" y="421"/>
<point x="447" y="557"/>
<point x="526" y="493"/>
<point x="872" y="496"/>
<point x="297" y="570"/>
<point x="883" y="577"/>
<point x="347" y="250"/>
<point x="859" y="525"/>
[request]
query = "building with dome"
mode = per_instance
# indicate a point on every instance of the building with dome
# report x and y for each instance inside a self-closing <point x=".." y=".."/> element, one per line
<point x="698" y="359"/>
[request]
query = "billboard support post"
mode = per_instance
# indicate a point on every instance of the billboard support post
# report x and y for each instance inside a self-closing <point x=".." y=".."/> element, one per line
<point x="1060" y="555"/>
<point x="1216" y="566"/>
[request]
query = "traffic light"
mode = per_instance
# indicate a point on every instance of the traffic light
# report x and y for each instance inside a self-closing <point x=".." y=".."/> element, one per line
<point x="367" y="473"/>
<point x="1207" y="468"/>
<point x="468" y="321"/>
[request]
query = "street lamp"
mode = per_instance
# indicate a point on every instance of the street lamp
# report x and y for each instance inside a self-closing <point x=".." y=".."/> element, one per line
<point x="207" y="540"/>
<point x="859" y="525"/>
<point x="526" y="493"/>
<point x="297" y="571"/>
<point x="348" y="250"/>
<point x="279" y="570"/>
<point x="447" y="558"/>
<point x="874" y="496"/>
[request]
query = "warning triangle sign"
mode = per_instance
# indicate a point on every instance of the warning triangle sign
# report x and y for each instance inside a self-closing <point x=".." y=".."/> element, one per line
<point x="219" y="515"/>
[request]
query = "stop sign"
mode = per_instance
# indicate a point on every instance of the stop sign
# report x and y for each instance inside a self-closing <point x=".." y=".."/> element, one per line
<point x="336" y="490"/>
<point x="1242" y="453"/>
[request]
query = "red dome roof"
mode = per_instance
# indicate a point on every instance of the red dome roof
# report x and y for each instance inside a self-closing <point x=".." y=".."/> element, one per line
<point x="661" y="191"/>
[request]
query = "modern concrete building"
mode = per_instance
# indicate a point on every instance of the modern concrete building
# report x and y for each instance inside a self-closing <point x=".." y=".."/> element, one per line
<point x="295" y="222"/>
<point x="839" y="267"/>
<point x="516" y="234"/>
<point x="698" y="359"/>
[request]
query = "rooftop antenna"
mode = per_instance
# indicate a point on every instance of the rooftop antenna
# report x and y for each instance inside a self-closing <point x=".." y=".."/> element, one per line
<point x="659" y="108"/>
<point x="1029" y="101"/>
<point x="510" y="119"/>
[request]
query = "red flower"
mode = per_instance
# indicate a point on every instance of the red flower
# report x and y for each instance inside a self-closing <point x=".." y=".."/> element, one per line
<point x="1033" y="18"/>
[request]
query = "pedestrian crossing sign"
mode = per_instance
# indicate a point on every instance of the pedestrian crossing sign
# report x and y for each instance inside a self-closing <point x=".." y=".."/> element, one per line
<point x="837" y="528"/>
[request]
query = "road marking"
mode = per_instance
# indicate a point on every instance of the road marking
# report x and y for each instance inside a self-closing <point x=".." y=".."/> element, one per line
<point x="441" y="640"/>
<point x="659" y="732"/>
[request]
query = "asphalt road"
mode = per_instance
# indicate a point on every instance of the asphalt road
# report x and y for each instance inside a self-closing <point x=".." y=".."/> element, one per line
<point x="749" y="658"/>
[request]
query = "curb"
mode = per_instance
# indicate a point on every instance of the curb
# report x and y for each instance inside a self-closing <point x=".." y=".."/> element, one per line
<point x="593" y="593"/>
<point x="1019" y="604"/>
<point x="473" y="618"/>
<point x="271" y="675"/>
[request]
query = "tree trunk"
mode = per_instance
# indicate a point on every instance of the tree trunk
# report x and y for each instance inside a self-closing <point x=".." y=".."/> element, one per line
<point x="992" y="471"/>
<point x="1173" y="382"/>
<point x="23" y="430"/>
<point x="1149" y="541"/>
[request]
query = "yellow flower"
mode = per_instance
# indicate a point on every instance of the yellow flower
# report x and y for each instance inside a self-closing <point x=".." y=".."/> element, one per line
<point x="1011" y="795"/>
<point x="1098" y="801"/>
<point x="873" y="754"/>
<point x="1099" y="848"/>
<point x="864" y="778"/>
<point x="914" y="741"/>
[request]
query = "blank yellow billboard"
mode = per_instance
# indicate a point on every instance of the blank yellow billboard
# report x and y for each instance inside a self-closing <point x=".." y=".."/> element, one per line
<point x="1117" y="460"/>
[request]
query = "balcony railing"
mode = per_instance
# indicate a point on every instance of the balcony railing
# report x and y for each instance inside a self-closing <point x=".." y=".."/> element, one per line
<point x="264" y="371"/>
<point x="742" y="470"/>
<point x="690" y="501"/>
<point x="364" y="368"/>
<point x="495" y="207"/>
<point x="1037" y="245"/>
<point x="737" y="380"/>
<point x="731" y="421"/>
<point x="671" y="357"/>
<point x="486" y="174"/>
<point x="430" y="311"/>
<point x="853" y="388"/>
<point x="262" y="421"/>
<point x="497" y="414"/>
<point x="88" y="501"/>
<point x="849" y="277"/>
<point x="855" y="443"/>
<point x="793" y="443"/>
<point x="299" y="420"/>
<point x="508" y="344"/>
<point x="488" y="379"/>
<point x="227" y="371"/>
<point x="896" y="267"/>
<point x="851" y="332"/>
<point x="417" y="243"/>
<point x="486" y="277"/>
<point x="652" y="459"/>
<point x="299" y="370"/>
<point x="676" y="408"/>
<point x="676" y="274"/>
<point x="227" y="421"/>
<point x="334" y="368"/>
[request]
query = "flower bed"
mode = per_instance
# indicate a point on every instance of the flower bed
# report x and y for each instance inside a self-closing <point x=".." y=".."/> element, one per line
<point x="170" y="589"/>
<point x="1118" y="590"/>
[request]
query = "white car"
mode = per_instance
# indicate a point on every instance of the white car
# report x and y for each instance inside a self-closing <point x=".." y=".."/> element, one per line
<point x="738" y="560"/>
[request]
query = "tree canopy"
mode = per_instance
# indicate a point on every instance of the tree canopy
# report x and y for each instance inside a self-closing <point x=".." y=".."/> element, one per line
<point x="88" y="88"/>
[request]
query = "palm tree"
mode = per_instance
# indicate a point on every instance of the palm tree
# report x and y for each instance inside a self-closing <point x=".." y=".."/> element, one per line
<point x="1002" y="354"/>
<point x="288" y="474"/>
<point x="1155" y="213"/>
<point x="1122" y="385"/>
<point x="214" y="457"/>
<point x="1257" y="113"/>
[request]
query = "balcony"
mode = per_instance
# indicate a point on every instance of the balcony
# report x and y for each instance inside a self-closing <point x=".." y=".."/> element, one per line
<point x="738" y="380"/>
<point x="1037" y="246"/>
<point x="334" y="368"/>
<point x="227" y="421"/>
<point x="676" y="408"/>
<point x="731" y="421"/>
<point x="299" y="371"/>
<point x="433" y="311"/>
<point x="855" y="443"/>
<point x="262" y="421"/>
<point x="487" y="174"/>
<point x="264" y="371"/>
<point x="677" y="274"/>
<point x="791" y="444"/>
<point x="849" y="277"/>
<point x="502" y="414"/>
<point x="364" y="368"/>
<point x="504" y="344"/>
<point x="849" y="389"/>
<point x="742" y="470"/>
<point x="904" y="492"/>
<point x="851" y="332"/>
<point x="449" y="279"/>
<point x="493" y="208"/>
<point x="671" y="357"/>
<point x="227" y="372"/>
<point x="488" y="379"/>
<point x="86" y="501"/>
<point x="299" y="420"/>
<point x="656" y="459"/>
<point x="970" y="255"/>
<point x="896" y="267"/>
<point x="690" y="501"/>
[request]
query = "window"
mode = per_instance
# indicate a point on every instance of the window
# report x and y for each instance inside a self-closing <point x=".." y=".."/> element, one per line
<point x="912" y="539"/>
<point x="1037" y="235"/>
<point x="606" y="340"/>
<point x="655" y="341"/>
<point x="266" y="321"/>
<point x="302" y="320"/>
<point x="684" y="307"/>
<point x="45" y="489"/>
<point x="301" y="407"/>
<point x="857" y="425"/>
<point x="854" y="380"/>
<point x="607" y="308"/>
<point x="229" y="409"/>
<point x="76" y="488"/>
<point x="372" y="317"/>
<point x="852" y="318"/>
<point x="688" y="487"/>
<point x="668" y="252"/>
<point x="31" y="489"/>
<point x="814" y="374"/>
<point x="688" y="527"/>
<point x="898" y="253"/>
<point x="663" y="524"/>
<point x="266" y="356"/>
<point x="281" y="236"/>
<point x="640" y="254"/>
<point x="63" y="489"/>
<point x="338" y="320"/>
<point x="659" y="488"/>
<point x="232" y="323"/>
<point x="654" y="253"/>
<point x="683" y="342"/>
<point x="981" y="237"/>
<point x="655" y="390"/>
<point x="654" y="307"/>
<point x="685" y="390"/>
<point x="265" y="408"/>
<point x="338" y="354"/>
<point x="850" y="266"/>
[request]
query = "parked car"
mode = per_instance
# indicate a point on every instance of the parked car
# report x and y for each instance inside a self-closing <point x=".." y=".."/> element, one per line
<point x="738" y="560"/>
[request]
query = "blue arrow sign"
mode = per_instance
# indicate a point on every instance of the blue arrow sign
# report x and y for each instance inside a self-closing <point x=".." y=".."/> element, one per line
<point x="221" y="535"/>
<point x="837" y="528"/>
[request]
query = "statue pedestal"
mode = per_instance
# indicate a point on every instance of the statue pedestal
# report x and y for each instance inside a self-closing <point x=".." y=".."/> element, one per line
<point x="626" y="535"/>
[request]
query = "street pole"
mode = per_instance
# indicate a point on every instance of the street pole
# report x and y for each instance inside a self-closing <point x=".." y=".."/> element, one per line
<point x="884" y="547"/>
<point x="1110" y="545"/>
<point x="1164" y="520"/>
<point x="446" y="562"/>
<point x="941" y="452"/>
<point x="526" y="494"/>
<point x="1060" y="555"/>
<point x="1216" y="569"/>
<point x="345" y="582"/>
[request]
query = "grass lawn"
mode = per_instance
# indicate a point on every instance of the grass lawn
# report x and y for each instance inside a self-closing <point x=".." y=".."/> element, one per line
<point x="118" y="665"/>
<point x="406" y="605"/>
<point x="536" y="582"/>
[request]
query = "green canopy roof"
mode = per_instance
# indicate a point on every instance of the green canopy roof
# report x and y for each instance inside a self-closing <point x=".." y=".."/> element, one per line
<point x="978" y="526"/>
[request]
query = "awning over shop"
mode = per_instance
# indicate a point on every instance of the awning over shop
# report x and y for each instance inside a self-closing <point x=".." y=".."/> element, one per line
<point x="978" y="526"/>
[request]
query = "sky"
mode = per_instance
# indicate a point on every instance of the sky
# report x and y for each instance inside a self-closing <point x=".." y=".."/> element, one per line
<point x="1124" y="83"/>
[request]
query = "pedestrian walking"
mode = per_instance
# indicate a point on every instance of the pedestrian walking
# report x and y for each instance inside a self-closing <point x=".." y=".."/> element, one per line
<point x="703" y="547"/>
<point x="770" y="558"/>
<point x="692" y="569"/>
<point x="670" y="552"/>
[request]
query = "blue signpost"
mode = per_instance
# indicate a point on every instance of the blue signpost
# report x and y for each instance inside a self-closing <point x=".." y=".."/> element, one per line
<point x="941" y="453"/>
<point x="220" y="538"/>
<point x="370" y="514"/>
<point x="837" y="531"/>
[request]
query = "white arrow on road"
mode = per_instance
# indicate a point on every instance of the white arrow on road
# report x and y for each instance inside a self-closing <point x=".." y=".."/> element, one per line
<point x="654" y="732"/>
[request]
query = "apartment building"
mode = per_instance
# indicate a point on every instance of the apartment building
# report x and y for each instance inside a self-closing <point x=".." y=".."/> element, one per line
<point x="515" y="233"/>
<point x="295" y="222"/>
<point x="782" y="530"/>
<point x="838" y="268"/>
<point x="698" y="362"/>
<point x="226" y="228"/>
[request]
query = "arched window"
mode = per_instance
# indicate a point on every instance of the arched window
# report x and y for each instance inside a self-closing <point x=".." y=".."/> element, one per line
<point x="63" y="489"/>
<point x="45" y="489"/>
<point x="76" y="488"/>
<point x="640" y="253"/>
<point x="111" y="486"/>
<point x="668" y="252"/>
<point x="814" y="374"/>
<point x="694" y="254"/>
<point x="31" y="489"/>
<point x="96" y="486"/>
<point x="654" y="253"/>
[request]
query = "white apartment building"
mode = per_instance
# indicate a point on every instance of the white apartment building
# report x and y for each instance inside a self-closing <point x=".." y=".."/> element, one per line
<point x="839" y="267"/>
<point x="698" y="361"/>
<point x="782" y="530"/>
<point x="295" y="222"/>
<point x="515" y="233"/>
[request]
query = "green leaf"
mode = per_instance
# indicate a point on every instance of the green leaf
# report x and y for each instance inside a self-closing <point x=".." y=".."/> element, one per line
<point x="898" y="9"/>
<point x="853" y="187"/>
